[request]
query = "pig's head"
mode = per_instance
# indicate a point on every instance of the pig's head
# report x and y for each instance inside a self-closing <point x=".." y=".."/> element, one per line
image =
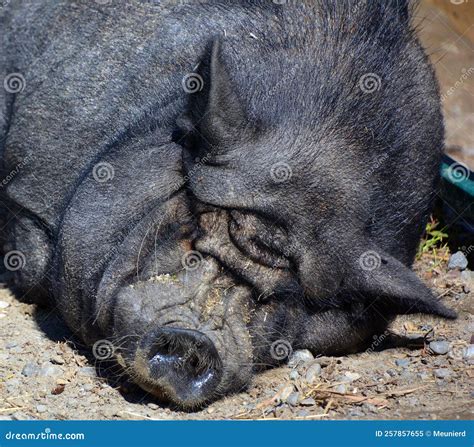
<point x="189" y="332"/>
<point x="295" y="178"/>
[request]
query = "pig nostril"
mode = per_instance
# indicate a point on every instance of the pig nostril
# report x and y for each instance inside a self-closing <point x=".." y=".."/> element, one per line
<point x="194" y="363"/>
<point x="183" y="362"/>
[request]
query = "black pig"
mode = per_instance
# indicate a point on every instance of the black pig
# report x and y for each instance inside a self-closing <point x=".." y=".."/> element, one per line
<point x="200" y="187"/>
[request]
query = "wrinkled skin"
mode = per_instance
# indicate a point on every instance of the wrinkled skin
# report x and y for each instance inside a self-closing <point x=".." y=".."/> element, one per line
<point x="192" y="256"/>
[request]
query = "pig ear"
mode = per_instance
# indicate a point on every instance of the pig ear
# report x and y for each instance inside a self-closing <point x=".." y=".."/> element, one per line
<point x="216" y="110"/>
<point x="224" y="109"/>
<point x="392" y="286"/>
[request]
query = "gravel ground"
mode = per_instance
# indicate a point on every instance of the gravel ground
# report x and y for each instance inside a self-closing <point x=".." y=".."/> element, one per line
<point x="46" y="374"/>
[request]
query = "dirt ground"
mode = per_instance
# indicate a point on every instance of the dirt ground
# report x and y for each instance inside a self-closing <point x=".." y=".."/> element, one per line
<point x="447" y="33"/>
<point x="46" y="374"/>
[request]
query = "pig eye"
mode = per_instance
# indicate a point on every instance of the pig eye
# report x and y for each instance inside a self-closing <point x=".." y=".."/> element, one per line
<point x="188" y="141"/>
<point x="185" y="138"/>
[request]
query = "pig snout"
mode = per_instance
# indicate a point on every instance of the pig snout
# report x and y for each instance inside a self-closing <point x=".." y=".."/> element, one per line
<point x="183" y="364"/>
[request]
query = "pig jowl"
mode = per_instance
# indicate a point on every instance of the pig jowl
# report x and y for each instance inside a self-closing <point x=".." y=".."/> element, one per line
<point x="198" y="199"/>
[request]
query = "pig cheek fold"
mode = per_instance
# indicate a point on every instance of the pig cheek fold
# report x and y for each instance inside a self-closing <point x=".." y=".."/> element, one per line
<point x="214" y="185"/>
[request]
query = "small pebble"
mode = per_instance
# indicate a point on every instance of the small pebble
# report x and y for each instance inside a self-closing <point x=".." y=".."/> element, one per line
<point x="294" y="374"/>
<point x="299" y="357"/>
<point x="350" y="376"/>
<point x="402" y="362"/>
<point x="407" y="375"/>
<point x="392" y="372"/>
<point x="370" y="407"/>
<point x="11" y="344"/>
<point x="72" y="403"/>
<point x="303" y="413"/>
<point x="153" y="406"/>
<point x="57" y="360"/>
<point x="30" y="370"/>
<point x="309" y="401"/>
<point x="87" y="371"/>
<point x="48" y="370"/>
<point x="19" y="416"/>
<point x="356" y="412"/>
<point x="285" y="392"/>
<point x="443" y="373"/>
<point x="457" y="261"/>
<point x="468" y="277"/>
<point x="4" y="305"/>
<point x="469" y="353"/>
<point x="41" y="408"/>
<point x="423" y="376"/>
<point x="439" y="347"/>
<point x="342" y="388"/>
<point x="293" y="399"/>
<point x="313" y="372"/>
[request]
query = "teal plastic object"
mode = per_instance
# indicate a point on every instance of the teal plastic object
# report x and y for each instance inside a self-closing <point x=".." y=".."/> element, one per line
<point x="457" y="193"/>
